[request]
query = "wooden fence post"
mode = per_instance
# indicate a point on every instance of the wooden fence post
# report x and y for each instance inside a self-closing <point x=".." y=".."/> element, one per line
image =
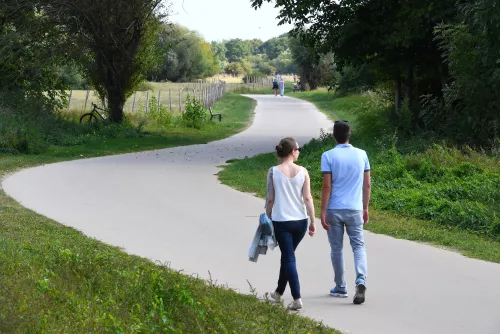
<point x="133" y="102"/>
<point x="147" y="101"/>
<point x="69" y="99"/>
<point x="170" y="98"/>
<point x="158" y="101"/>
<point x="86" y="99"/>
<point x="180" y="100"/>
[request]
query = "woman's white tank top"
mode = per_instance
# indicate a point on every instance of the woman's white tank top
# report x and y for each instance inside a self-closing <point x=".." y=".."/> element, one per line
<point x="288" y="201"/>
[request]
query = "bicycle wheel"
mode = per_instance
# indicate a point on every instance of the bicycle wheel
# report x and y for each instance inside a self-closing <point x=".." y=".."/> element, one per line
<point x="88" y="118"/>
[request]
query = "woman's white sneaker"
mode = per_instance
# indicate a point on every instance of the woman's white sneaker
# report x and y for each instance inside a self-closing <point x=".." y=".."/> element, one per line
<point x="296" y="305"/>
<point x="273" y="296"/>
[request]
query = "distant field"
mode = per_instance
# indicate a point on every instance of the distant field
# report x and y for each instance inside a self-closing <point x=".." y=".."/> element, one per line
<point x="169" y="94"/>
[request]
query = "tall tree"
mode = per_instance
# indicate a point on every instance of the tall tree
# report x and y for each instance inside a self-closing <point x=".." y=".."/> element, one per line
<point x="275" y="46"/>
<point x="114" y="39"/>
<point x="219" y="49"/>
<point x="237" y="50"/>
<point x="185" y="55"/>
<point x="472" y="52"/>
<point x="31" y="50"/>
<point x="396" y="36"/>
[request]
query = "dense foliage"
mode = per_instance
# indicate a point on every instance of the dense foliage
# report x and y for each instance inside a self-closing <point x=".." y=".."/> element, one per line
<point x="111" y="42"/>
<point x="439" y="58"/>
<point x="185" y="55"/>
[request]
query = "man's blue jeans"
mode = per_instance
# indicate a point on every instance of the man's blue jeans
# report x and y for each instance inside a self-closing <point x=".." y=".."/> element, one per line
<point x="352" y="220"/>
<point x="289" y="234"/>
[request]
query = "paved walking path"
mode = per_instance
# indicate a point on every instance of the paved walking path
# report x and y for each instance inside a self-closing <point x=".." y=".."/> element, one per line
<point x="167" y="205"/>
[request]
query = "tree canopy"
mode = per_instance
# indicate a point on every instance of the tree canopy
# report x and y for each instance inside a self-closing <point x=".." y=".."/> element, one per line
<point x="440" y="57"/>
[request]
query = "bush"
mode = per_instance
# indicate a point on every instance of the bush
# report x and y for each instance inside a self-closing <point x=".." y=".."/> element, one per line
<point x="31" y="128"/>
<point x="159" y="113"/>
<point x="355" y="79"/>
<point x="441" y="184"/>
<point x="234" y="69"/>
<point x="195" y="115"/>
<point x="372" y="117"/>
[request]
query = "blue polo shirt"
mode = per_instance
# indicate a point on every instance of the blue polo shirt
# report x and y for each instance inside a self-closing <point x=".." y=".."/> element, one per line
<point x="347" y="165"/>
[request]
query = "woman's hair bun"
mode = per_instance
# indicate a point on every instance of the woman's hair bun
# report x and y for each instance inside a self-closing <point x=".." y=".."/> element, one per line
<point x="285" y="147"/>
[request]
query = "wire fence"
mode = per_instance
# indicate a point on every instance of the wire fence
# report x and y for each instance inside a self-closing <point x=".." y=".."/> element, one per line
<point x="173" y="96"/>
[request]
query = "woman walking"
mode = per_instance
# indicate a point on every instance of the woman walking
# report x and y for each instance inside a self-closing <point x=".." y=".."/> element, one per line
<point x="289" y="205"/>
<point x="275" y="85"/>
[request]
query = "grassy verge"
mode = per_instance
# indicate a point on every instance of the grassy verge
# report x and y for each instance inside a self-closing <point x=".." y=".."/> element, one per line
<point x="428" y="193"/>
<point x="140" y="133"/>
<point x="53" y="279"/>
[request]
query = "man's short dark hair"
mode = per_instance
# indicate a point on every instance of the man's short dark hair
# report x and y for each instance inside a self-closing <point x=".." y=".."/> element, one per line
<point x="341" y="131"/>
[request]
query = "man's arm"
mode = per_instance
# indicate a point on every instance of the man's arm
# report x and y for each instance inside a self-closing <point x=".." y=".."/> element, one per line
<point x="325" y="197"/>
<point x="366" y="195"/>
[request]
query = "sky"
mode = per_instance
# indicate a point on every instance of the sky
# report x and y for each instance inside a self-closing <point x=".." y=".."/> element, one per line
<point x="217" y="20"/>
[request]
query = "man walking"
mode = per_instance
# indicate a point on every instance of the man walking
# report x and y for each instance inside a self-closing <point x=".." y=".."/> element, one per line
<point x="344" y="204"/>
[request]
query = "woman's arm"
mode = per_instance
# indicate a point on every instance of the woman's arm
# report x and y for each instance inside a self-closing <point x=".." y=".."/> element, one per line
<point x="308" y="201"/>
<point x="270" y="196"/>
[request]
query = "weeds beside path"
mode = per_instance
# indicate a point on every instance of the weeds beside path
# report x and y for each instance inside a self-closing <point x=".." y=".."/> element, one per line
<point x="432" y="194"/>
<point x="55" y="279"/>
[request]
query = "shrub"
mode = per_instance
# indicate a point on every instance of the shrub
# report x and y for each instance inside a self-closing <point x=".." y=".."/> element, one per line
<point x="159" y="113"/>
<point x="441" y="185"/>
<point x="372" y="117"/>
<point x="31" y="129"/>
<point x="195" y="114"/>
<point x="356" y="79"/>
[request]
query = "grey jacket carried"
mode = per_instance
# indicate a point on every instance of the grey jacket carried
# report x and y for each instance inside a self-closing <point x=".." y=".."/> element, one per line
<point x="261" y="242"/>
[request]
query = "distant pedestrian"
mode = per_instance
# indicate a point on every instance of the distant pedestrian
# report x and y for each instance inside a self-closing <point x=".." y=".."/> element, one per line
<point x="281" y="84"/>
<point x="275" y="86"/>
<point x="344" y="204"/>
<point x="289" y="205"/>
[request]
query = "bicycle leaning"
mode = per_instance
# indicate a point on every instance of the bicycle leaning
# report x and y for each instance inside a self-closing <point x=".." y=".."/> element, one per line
<point x="94" y="116"/>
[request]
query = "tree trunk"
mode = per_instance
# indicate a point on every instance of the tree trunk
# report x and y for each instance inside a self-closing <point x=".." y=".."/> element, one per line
<point x="397" y="94"/>
<point x="303" y="79"/>
<point x="116" y="102"/>
<point x="409" y="84"/>
<point x="442" y="75"/>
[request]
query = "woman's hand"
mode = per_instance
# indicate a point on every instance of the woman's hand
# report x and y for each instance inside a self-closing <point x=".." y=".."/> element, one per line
<point x="312" y="228"/>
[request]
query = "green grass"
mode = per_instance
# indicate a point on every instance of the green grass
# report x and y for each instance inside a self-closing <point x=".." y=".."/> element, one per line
<point x="54" y="279"/>
<point x="435" y="194"/>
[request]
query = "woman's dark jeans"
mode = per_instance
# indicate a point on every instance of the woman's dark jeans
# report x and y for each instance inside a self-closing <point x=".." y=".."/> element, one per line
<point x="289" y="234"/>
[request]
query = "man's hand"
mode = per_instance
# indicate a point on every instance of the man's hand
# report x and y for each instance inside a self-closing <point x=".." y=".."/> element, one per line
<point x="366" y="217"/>
<point x="324" y="223"/>
<point x="312" y="228"/>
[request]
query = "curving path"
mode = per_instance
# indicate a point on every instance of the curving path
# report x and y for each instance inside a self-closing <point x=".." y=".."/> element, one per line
<point x="167" y="205"/>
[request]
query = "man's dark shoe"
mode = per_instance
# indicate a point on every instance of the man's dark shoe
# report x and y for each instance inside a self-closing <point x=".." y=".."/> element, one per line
<point x="359" y="297"/>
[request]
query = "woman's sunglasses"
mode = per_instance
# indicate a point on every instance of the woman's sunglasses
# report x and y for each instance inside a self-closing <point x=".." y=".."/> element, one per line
<point x="297" y="149"/>
<point x="341" y="121"/>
